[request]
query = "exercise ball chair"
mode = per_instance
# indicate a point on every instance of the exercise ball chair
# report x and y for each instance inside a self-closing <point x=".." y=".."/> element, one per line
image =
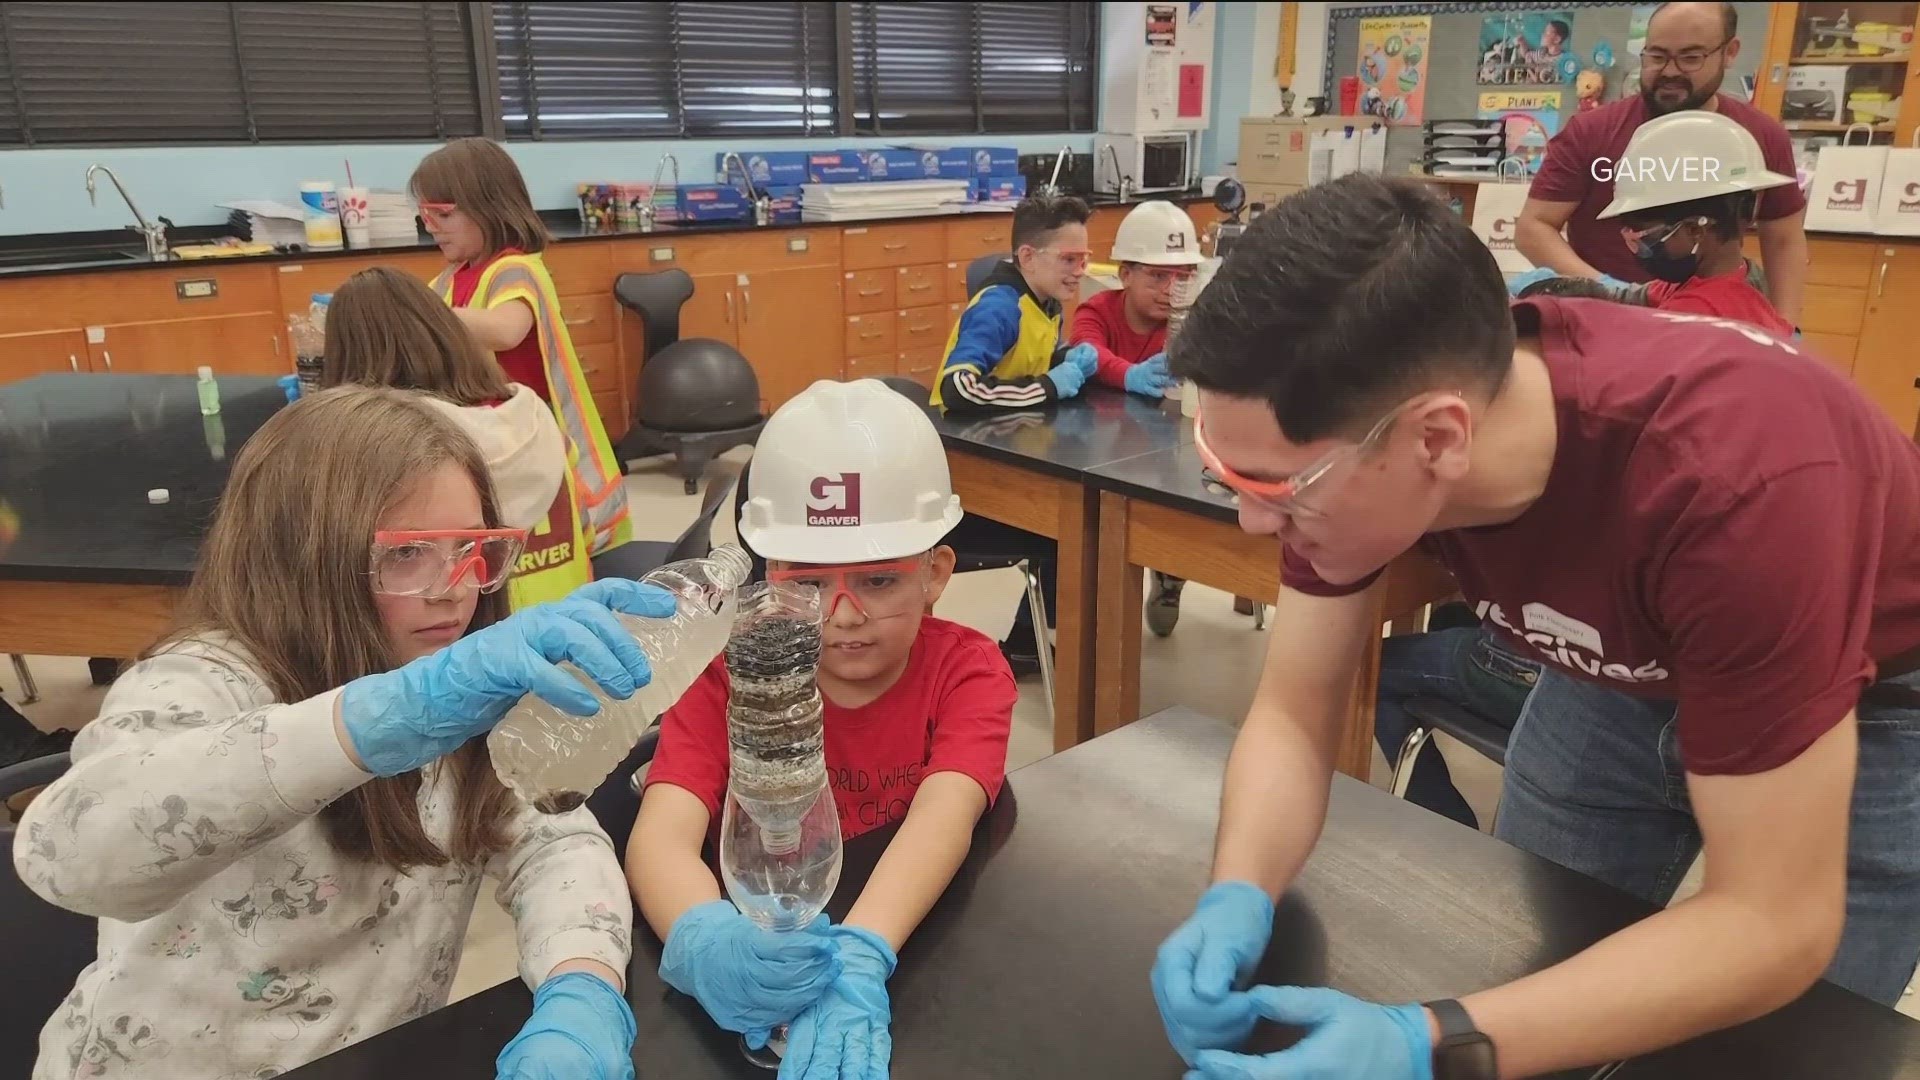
<point x="698" y="397"/>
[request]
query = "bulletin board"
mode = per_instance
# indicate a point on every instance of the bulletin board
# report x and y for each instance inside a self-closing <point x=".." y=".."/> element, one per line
<point x="1454" y="59"/>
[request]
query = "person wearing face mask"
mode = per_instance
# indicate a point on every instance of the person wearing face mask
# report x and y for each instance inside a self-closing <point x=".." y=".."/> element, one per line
<point x="1688" y="50"/>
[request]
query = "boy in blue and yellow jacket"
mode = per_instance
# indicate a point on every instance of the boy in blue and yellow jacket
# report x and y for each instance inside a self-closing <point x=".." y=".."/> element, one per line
<point x="1005" y="351"/>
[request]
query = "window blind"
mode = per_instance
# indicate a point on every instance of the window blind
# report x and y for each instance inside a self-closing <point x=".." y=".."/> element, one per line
<point x="925" y="68"/>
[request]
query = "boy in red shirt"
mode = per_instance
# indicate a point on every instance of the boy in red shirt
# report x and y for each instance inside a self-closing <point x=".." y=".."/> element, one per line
<point x="850" y="493"/>
<point x="1684" y="207"/>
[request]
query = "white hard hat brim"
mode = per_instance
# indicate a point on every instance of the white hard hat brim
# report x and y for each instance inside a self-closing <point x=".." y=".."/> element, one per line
<point x="1172" y="258"/>
<point x="851" y="544"/>
<point x="1759" y="181"/>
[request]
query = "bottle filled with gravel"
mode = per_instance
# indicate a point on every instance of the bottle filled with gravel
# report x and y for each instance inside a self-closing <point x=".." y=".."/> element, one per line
<point x="780" y="844"/>
<point x="554" y="760"/>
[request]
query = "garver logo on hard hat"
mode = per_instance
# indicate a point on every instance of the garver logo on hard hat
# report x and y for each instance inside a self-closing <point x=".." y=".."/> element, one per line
<point x="834" y="500"/>
<point x="1176" y="241"/>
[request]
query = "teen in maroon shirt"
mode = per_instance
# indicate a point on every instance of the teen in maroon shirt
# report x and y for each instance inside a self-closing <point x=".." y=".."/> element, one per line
<point x="1705" y="539"/>
<point x="1687" y="52"/>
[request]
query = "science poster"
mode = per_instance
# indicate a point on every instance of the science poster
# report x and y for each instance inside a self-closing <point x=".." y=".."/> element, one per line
<point x="1393" y="68"/>
<point x="1531" y="117"/>
<point x="1527" y="48"/>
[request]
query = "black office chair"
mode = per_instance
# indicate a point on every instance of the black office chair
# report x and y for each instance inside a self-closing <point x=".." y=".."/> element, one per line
<point x="616" y="802"/>
<point x="979" y="269"/>
<point x="698" y="397"/>
<point x="635" y="559"/>
<point x="49" y="945"/>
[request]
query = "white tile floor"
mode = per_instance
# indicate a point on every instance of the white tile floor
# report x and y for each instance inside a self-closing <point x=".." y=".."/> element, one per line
<point x="1209" y="664"/>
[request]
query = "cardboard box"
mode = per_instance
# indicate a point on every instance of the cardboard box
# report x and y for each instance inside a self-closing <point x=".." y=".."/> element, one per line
<point x="1815" y="92"/>
<point x="1274" y="150"/>
<point x="712" y="202"/>
<point x="768" y="168"/>
<point x="993" y="160"/>
<point x="786" y="204"/>
<point x="999" y="188"/>
<point x="836" y="167"/>
<point x="899" y="163"/>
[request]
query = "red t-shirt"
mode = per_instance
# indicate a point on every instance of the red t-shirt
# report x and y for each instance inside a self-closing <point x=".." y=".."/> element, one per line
<point x="522" y="363"/>
<point x="1728" y="522"/>
<point x="1101" y="321"/>
<point x="950" y="711"/>
<point x="1567" y="175"/>
<point x="1728" y="295"/>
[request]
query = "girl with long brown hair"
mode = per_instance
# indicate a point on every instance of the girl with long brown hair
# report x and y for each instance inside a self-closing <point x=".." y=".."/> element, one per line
<point x="475" y="203"/>
<point x="279" y="817"/>
<point x="386" y="328"/>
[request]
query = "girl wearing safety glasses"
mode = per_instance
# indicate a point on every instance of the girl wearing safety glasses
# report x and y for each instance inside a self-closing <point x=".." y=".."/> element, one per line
<point x="284" y="814"/>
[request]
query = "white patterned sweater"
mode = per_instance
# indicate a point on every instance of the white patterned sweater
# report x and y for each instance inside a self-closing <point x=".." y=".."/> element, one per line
<point x="235" y="942"/>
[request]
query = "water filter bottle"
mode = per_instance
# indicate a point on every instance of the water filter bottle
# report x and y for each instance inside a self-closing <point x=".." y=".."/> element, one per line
<point x="780" y="845"/>
<point x="554" y="760"/>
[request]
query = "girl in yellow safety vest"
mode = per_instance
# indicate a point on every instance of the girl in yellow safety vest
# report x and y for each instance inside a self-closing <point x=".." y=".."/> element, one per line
<point x="475" y="203"/>
<point x="384" y="328"/>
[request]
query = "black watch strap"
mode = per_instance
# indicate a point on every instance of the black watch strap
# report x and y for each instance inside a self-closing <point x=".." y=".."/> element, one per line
<point x="1462" y="1053"/>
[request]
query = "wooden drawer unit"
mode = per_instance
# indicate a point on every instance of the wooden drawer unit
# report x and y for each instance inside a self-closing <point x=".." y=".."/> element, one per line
<point x="1835" y="349"/>
<point x="866" y="246"/>
<point x="918" y="286"/>
<point x="597" y="365"/>
<point x="589" y="319"/>
<point x="1830" y="309"/>
<point x="66" y="301"/>
<point x="1831" y="260"/>
<point x="981" y="234"/>
<point x="771" y="249"/>
<point x="924" y="327"/>
<point x="877" y="366"/>
<point x="580" y="268"/>
<point x="299" y="281"/>
<point x="920" y="365"/>
<point x="867" y="290"/>
<point x="957" y="282"/>
<point x="870" y="333"/>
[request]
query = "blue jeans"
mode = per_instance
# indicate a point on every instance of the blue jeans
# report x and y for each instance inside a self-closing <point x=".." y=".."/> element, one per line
<point x="1594" y="782"/>
<point x="1463" y="666"/>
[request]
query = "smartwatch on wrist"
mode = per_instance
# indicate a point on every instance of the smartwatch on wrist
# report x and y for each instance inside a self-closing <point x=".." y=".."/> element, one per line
<point x="1462" y="1053"/>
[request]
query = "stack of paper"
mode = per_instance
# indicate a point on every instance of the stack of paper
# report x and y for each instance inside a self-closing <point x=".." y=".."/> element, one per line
<point x="390" y="217"/>
<point x="893" y="198"/>
<point x="269" y="222"/>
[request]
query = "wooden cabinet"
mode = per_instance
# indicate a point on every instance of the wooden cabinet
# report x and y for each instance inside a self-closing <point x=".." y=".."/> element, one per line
<point x="229" y="344"/>
<point x="1886" y="361"/>
<point x="920" y="366"/>
<point x="1842" y="35"/>
<point x="23" y="356"/>
<point x="789" y="323"/>
<point x="866" y="246"/>
<point x="870" y="333"/>
<point x="867" y="290"/>
<point x="918" y="286"/>
<point x="589" y="319"/>
<point x="709" y="312"/>
<point x="870" y="367"/>
<point x="979" y="234"/>
<point x="924" y="327"/>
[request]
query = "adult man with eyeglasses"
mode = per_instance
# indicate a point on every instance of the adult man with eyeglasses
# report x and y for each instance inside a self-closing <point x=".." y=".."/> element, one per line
<point x="1704" y="537"/>
<point x="1688" y="49"/>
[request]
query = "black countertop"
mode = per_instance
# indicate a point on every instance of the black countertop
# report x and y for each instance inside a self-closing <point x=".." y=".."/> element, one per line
<point x="78" y="454"/>
<point x="1074" y="437"/>
<point x="1169" y="477"/>
<point x="70" y="253"/>
<point x="1035" y="962"/>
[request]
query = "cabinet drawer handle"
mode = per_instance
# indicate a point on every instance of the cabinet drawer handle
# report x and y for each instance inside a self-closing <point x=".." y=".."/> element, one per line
<point x="108" y="357"/>
<point x="922" y="287"/>
<point x="74" y="363"/>
<point x="921" y="329"/>
<point x="1880" y="285"/>
<point x="729" y="295"/>
<point x="746" y="306"/>
<point x="581" y="321"/>
<point x="870" y="292"/>
<point x="870" y="335"/>
<point x="992" y="237"/>
<point x="901" y="246"/>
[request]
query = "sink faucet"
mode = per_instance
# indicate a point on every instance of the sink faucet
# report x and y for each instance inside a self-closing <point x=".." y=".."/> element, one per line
<point x="1121" y="180"/>
<point x="1062" y="160"/>
<point x="155" y="234"/>
<point x="647" y="210"/>
<point x="762" y="203"/>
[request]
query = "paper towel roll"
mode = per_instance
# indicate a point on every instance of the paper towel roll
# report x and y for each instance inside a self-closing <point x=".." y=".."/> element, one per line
<point x="321" y="209"/>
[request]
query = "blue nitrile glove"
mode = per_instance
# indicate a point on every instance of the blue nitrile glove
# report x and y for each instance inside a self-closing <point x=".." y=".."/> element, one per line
<point x="1067" y="380"/>
<point x="844" y="1035"/>
<point x="1150" y="376"/>
<point x="1197" y="967"/>
<point x="1085" y="357"/>
<point x="1347" y="1039"/>
<point x="402" y="719"/>
<point x="748" y="979"/>
<point x="581" y="1029"/>
<point x="1519" y="282"/>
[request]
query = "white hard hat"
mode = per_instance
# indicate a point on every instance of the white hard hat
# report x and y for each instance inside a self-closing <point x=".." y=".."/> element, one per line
<point x="1159" y="234"/>
<point x="1684" y="156"/>
<point x="848" y="473"/>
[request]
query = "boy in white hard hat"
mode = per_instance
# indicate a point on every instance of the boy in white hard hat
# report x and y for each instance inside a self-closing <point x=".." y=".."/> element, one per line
<point x="1684" y="195"/>
<point x="849" y="492"/>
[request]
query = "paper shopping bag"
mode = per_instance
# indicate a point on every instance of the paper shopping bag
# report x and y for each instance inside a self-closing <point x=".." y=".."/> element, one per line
<point x="1496" y="208"/>
<point x="1846" y="186"/>
<point x="1898" y="212"/>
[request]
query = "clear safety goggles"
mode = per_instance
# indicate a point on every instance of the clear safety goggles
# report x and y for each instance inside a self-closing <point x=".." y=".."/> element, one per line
<point x="1068" y="258"/>
<point x="1295" y="495"/>
<point x="437" y="213"/>
<point x="431" y="564"/>
<point x="1165" y="277"/>
<point x="877" y="590"/>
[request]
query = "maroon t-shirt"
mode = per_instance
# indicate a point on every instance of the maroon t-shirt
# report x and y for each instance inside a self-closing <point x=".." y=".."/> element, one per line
<point x="1567" y="175"/>
<point x="1727" y="522"/>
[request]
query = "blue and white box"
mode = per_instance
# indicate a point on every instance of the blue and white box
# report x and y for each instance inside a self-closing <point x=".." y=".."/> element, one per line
<point x="711" y="202"/>
<point x="768" y="168"/>
<point x="836" y="167"/>
<point x="993" y="160"/>
<point x="902" y="163"/>
<point x="786" y="204"/>
<point x="999" y="188"/>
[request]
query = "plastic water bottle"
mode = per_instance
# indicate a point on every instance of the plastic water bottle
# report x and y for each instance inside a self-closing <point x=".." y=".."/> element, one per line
<point x="208" y="390"/>
<point x="780" y="846"/>
<point x="554" y="760"/>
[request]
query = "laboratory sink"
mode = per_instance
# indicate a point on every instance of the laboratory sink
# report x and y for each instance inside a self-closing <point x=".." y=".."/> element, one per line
<point x="67" y="257"/>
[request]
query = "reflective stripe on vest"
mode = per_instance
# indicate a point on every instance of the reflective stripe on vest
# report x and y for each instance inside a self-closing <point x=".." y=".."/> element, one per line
<point x="599" y="488"/>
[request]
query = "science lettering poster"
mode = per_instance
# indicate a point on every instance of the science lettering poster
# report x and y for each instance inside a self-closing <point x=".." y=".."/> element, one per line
<point x="1393" y="67"/>
<point x="1527" y="48"/>
<point x="1531" y="117"/>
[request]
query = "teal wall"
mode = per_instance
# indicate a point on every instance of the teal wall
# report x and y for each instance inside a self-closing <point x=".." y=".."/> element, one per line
<point x="1232" y="83"/>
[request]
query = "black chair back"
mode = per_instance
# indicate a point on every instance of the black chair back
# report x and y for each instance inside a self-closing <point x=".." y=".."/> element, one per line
<point x="615" y="804"/>
<point x="48" y="946"/>
<point x="979" y="269"/>
<point x="656" y="297"/>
